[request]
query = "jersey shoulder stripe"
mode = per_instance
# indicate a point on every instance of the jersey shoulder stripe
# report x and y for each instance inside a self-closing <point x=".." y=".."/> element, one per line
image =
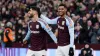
<point x="41" y="20"/>
<point x="70" y="21"/>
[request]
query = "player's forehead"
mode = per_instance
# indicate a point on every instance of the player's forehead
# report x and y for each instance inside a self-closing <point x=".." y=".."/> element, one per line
<point x="61" y="7"/>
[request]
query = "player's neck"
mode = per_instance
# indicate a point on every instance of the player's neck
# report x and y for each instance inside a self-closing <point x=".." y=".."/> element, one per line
<point x="63" y="16"/>
<point x="35" y="18"/>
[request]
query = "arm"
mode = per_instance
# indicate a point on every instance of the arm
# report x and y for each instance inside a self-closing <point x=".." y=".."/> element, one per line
<point x="26" y="17"/>
<point x="48" y="30"/>
<point x="70" y="25"/>
<point x="56" y="32"/>
<point x="49" y="21"/>
<point x="28" y="34"/>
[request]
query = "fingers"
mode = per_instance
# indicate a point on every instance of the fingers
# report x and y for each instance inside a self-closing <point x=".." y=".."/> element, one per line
<point x="27" y="15"/>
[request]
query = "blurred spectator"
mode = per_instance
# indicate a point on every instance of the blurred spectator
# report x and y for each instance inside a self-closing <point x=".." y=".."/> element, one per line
<point x="98" y="17"/>
<point x="88" y="16"/>
<point x="1" y="30"/>
<point x="19" y="36"/>
<point x="91" y="5"/>
<point x="86" y="51"/>
<point x="83" y="36"/>
<point x="95" y="34"/>
<point x="94" y="19"/>
<point x="77" y="32"/>
<point x="98" y="4"/>
<point x="83" y="22"/>
<point x="0" y="16"/>
<point x="18" y="29"/>
<point x="80" y="8"/>
<point x="98" y="38"/>
<point x="8" y="36"/>
<point x="89" y="30"/>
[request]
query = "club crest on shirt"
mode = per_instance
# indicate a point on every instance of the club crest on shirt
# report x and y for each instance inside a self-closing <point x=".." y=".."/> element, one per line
<point x="30" y="26"/>
<point x="63" y="22"/>
<point x="37" y="26"/>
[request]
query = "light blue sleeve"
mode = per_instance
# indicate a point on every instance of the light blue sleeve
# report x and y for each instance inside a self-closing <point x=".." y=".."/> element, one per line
<point x="70" y="24"/>
<point x="28" y="34"/>
<point x="48" y="30"/>
<point x="49" y="21"/>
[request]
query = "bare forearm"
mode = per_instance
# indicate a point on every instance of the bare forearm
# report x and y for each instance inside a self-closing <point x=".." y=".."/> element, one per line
<point x="56" y="32"/>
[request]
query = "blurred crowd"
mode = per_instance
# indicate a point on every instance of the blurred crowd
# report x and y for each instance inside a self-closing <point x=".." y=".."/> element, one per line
<point x="85" y="14"/>
<point x="86" y="51"/>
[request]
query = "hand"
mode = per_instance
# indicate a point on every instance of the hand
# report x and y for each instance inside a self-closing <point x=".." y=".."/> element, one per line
<point x="27" y="15"/>
<point x="25" y="41"/>
<point x="71" y="51"/>
<point x="84" y="52"/>
<point x="97" y="38"/>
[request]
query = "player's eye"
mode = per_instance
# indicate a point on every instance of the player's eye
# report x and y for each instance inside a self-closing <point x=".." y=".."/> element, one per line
<point x="61" y="9"/>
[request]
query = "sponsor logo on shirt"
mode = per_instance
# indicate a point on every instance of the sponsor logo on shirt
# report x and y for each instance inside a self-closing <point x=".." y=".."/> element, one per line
<point x="35" y="32"/>
<point x="60" y="27"/>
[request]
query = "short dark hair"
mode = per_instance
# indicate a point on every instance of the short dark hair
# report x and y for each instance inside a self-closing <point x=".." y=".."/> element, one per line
<point x="62" y="5"/>
<point x="34" y="8"/>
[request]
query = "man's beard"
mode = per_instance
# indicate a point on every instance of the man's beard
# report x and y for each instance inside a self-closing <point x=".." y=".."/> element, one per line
<point x="31" y="16"/>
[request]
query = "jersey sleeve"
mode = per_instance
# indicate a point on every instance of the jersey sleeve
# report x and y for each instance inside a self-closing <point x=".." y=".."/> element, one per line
<point x="28" y="34"/>
<point x="70" y="24"/>
<point x="48" y="30"/>
<point x="49" y="21"/>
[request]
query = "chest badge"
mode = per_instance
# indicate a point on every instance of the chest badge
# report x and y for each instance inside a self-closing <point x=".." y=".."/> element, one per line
<point x="37" y="26"/>
<point x="63" y="22"/>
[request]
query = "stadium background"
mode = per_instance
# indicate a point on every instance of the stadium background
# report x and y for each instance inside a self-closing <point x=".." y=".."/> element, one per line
<point x="85" y="14"/>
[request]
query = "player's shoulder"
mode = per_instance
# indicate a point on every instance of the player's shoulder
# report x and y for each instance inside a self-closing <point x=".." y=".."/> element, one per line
<point x="69" y="21"/>
<point x="41" y="21"/>
<point x="68" y="18"/>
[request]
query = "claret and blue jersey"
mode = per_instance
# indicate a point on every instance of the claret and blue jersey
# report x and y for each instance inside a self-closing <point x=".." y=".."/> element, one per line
<point x="65" y="29"/>
<point x="36" y="33"/>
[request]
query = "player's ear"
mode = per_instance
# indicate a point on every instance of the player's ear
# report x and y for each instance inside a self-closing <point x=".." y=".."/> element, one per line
<point x="65" y="9"/>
